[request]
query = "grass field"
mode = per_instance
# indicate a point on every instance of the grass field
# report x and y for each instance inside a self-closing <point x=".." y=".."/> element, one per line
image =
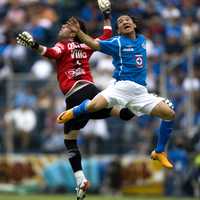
<point x="89" y="197"/>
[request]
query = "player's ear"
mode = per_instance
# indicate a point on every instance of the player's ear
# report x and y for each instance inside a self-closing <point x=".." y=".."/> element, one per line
<point x="117" y="30"/>
<point x="134" y="24"/>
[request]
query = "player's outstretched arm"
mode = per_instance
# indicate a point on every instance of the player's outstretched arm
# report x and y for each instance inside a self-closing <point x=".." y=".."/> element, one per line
<point x="105" y="7"/>
<point x="89" y="41"/>
<point x="26" y="39"/>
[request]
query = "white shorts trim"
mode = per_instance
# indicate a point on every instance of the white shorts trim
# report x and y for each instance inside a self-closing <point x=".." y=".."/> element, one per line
<point x="131" y="95"/>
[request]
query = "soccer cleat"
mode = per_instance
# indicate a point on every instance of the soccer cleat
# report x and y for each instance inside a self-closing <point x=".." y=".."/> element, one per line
<point x="162" y="157"/>
<point x="81" y="190"/>
<point x="65" y="116"/>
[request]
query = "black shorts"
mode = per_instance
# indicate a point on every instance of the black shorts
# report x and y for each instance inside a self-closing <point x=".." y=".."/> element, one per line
<point x="87" y="92"/>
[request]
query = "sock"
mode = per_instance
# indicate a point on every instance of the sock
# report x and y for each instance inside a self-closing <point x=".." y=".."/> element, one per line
<point x="79" y="175"/>
<point x="166" y="128"/>
<point x="81" y="109"/>
<point x="74" y="155"/>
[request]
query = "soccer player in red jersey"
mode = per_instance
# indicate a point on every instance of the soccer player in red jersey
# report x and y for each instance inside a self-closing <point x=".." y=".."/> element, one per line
<point x="76" y="83"/>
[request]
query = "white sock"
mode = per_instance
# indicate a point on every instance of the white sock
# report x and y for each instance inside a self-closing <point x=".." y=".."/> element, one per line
<point x="79" y="175"/>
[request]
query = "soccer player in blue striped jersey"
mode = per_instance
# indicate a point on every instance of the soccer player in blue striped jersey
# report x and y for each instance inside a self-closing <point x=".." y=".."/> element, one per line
<point x="128" y="51"/>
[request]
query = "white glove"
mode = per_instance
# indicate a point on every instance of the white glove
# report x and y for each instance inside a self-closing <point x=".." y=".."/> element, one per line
<point x="26" y="39"/>
<point x="104" y="5"/>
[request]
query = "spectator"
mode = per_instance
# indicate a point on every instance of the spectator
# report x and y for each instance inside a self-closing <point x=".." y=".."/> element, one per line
<point x="23" y="122"/>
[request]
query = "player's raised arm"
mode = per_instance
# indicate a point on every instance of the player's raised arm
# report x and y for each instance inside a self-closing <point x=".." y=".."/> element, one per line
<point x="105" y="8"/>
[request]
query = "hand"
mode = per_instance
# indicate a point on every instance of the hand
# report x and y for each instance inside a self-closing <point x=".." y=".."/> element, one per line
<point x="73" y="24"/>
<point x="26" y="39"/>
<point x="105" y="7"/>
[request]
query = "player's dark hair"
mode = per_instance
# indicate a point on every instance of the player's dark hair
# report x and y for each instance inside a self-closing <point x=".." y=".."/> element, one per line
<point x="83" y="28"/>
<point x="136" y="20"/>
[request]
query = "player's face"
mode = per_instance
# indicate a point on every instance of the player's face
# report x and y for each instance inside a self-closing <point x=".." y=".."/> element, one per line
<point x="65" y="32"/>
<point x="125" y="25"/>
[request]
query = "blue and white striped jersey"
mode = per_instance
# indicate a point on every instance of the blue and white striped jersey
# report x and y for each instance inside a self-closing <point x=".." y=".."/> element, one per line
<point x="129" y="57"/>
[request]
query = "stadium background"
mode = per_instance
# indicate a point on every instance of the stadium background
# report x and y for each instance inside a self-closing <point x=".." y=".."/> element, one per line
<point x="116" y="154"/>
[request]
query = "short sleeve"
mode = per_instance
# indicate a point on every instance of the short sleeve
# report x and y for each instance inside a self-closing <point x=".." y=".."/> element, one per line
<point x="110" y="47"/>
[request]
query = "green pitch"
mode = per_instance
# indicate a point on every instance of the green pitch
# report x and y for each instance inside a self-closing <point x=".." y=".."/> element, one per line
<point x="89" y="197"/>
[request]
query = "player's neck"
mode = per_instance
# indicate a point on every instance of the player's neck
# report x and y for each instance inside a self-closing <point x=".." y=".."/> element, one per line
<point x="131" y="35"/>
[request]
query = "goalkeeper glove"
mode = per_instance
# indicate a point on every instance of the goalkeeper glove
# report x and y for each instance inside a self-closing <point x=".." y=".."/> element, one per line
<point x="26" y="39"/>
<point x="105" y="7"/>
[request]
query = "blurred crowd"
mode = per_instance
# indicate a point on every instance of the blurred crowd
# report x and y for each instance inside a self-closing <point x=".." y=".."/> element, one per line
<point x="30" y="99"/>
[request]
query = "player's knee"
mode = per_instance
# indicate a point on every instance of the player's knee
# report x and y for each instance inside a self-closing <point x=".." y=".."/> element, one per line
<point x="170" y="115"/>
<point x="126" y="114"/>
<point x="71" y="135"/>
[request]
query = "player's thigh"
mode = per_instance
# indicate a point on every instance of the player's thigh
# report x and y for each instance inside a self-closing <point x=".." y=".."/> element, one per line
<point x="87" y="92"/>
<point x="75" y="124"/>
<point x="163" y="111"/>
<point x="143" y="103"/>
<point x="115" y="96"/>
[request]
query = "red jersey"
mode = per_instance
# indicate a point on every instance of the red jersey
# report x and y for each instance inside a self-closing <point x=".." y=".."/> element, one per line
<point x="72" y="61"/>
